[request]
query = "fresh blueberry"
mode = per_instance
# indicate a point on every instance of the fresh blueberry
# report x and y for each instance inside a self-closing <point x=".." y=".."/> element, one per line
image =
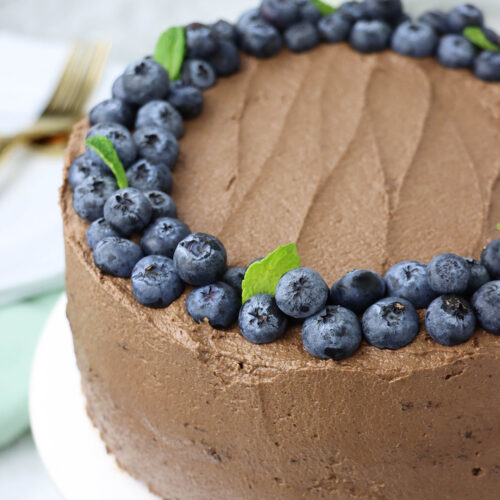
<point x="490" y="258"/>
<point x="353" y="11"/>
<point x="464" y="15"/>
<point x="385" y="10"/>
<point x="301" y="37"/>
<point x="98" y="230"/>
<point x="487" y="66"/>
<point x="157" y="145"/>
<point x="357" y="290"/>
<point x="198" y="73"/>
<point x="245" y="19"/>
<point x="261" y="320"/>
<point x="187" y="99"/>
<point x="162" y="114"/>
<point x="370" y="36"/>
<point x="301" y="292"/>
<point x="163" y="236"/>
<point x="448" y="274"/>
<point x="491" y="35"/>
<point x="218" y="302"/>
<point x="117" y="256"/>
<point x="309" y="12"/>
<point x="155" y="282"/>
<point x="200" y="41"/>
<point x="437" y="20"/>
<point x="280" y="13"/>
<point x="226" y="59"/>
<point x="333" y="333"/>
<point x="83" y="167"/>
<point x="128" y="211"/>
<point x="334" y="27"/>
<point x="91" y="195"/>
<point x="144" y="81"/>
<point x="414" y="39"/>
<point x="486" y="303"/>
<point x="455" y="51"/>
<point x="390" y="323"/>
<point x="261" y="39"/>
<point x="200" y="259"/>
<point x="162" y="204"/>
<point x="120" y="138"/>
<point x="118" y="91"/>
<point x="479" y="276"/>
<point x="408" y="280"/>
<point x="234" y="277"/>
<point x="147" y="176"/>
<point x="112" y="111"/>
<point x="224" y="31"/>
<point x="450" y="320"/>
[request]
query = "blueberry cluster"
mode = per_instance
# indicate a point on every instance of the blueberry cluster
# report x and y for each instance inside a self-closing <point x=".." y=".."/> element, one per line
<point x="135" y="233"/>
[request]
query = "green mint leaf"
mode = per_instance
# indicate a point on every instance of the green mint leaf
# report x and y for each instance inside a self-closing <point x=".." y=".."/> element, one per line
<point x="324" y="7"/>
<point x="105" y="149"/>
<point x="263" y="276"/>
<point x="498" y="226"/>
<point x="476" y="35"/>
<point x="170" y="50"/>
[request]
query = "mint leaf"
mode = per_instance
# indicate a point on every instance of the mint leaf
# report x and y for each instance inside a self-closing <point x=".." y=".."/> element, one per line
<point x="263" y="276"/>
<point x="323" y="7"/>
<point x="498" y="226"/>
<point x="106" y="151"/>
<point x="170" y="50"/>
<point x="477" y="36"/>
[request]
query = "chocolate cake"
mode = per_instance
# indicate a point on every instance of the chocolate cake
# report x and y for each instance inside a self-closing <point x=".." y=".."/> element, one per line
<point x="362" y="160"/>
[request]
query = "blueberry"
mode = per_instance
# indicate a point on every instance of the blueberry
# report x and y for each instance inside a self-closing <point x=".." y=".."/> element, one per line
<point x="187" y="99"/>
<point x="83" y="167"/>
<point x="91" y="195"/>
<point x="117" y="256"/>
<point x="224" y="31"/>
<point x="479" y="276"/>
<point x="128" y="211"/>
<point x="491" y="35"/>
<point x="301" y="37"/>
<point x="162" y="204"/>
<point x="226" y="59"/>
<point x="333" y="333"/>
<point x="234" y="277"/>
<point x="280" y="13"/>
<point x="462" y="16"/>
<point x="487" y="66"/>
<point x="112" y="111"/>
<point x="200" y="41"/>
<point x="146" y="176"/>
<point x="353" y="11"/>
<point x="218" y="302"/>
<point x="490" y="258"/>
<point x="261" y="39"/>
<point x="144" y="81"/>
<point x="408" y="280"/>
<point x="155" y="282"/>
<point x="198" y="73"/>
<point x="157" y="145"/>
<point x="436" y="19"/>
<point x="98" y="230"/>
<point x="309" y="12"/>
<point x="486" y="303"/>
<point x="357" y="290"/>
<point x="245" y="19"/>
<point x="385" y="10"/>
<point x="455" y="51"/>
<point x="261" y="320"/>
<point x="301" y="292"/>
<point x="334" y="28"/>
<point x="162" y="114"/>
<point x="163" y="236"/>
<point x="118" y="91"/>
<point x="450" y="320"/>
<point x="370" y="36"/>
<point x="390" y="323"/>
<point x="120" y="138"/>
<point x="415" y="39"/>
<point x="200" y="259"/>
<point x="448" y="273"/>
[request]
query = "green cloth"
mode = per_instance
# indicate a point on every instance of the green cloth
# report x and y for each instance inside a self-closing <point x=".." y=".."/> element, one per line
<point x="21" y="323"/>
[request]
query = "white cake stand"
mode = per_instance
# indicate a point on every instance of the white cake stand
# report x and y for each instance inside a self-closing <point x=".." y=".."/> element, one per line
<point x="69" y="445"/>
